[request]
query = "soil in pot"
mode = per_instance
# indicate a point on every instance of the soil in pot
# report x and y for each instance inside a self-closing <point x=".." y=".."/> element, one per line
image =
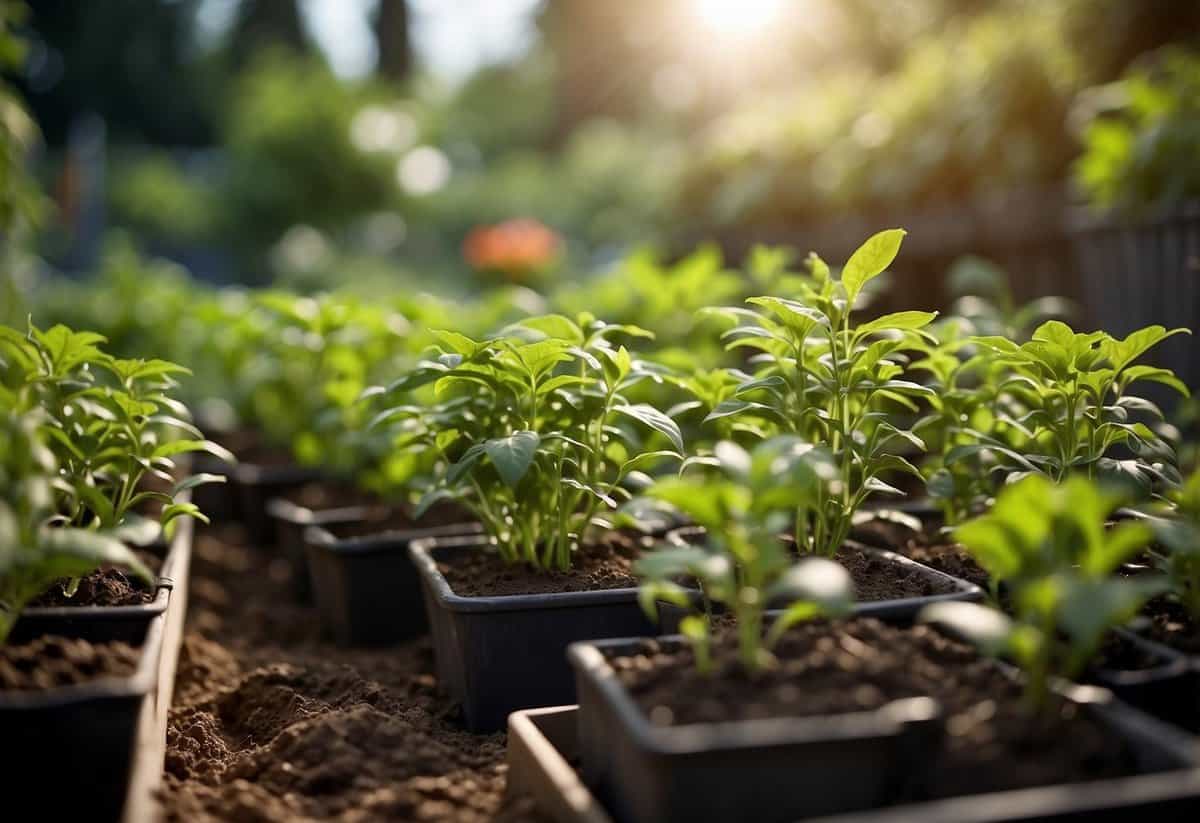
<point x="108" y="586"/>
<point x="605" y="564"/>
<point x="992" y="742"/>
<point x="926" y="546"/>
<point x="271" y="723"/>
<point x="50" y="661"/>
<point x="875" y="578"/>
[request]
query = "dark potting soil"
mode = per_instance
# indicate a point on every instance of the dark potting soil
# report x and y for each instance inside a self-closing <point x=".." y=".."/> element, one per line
<point x="878" y="579"/>
<point x="992" y="742"/>
<point x="108" y="586"/>
<point x="271" y="723"/>
<point x="1171" y="625"/>
<point x="50" y="661"/>
<point x="926" y="546"/>
<point x="606" y="564"/>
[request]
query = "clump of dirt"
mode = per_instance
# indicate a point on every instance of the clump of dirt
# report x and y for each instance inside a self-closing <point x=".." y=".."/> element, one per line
<point x="271" y="723"/>
<point x="108" y="586"/>
<point x="49" y="661"/>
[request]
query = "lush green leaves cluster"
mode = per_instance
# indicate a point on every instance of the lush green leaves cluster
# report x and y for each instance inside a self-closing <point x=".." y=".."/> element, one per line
<point x="1067" y="395"/>
<point x="828" y="380"/>
<point x="90" y="442"/>
<point x="532" y="429"/>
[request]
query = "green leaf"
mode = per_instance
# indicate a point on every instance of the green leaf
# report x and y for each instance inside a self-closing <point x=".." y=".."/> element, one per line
<point x="513" y="455"/>
<point x="656" y="420"/>
<point x="1123" y="352"/>
<point x="870" y="260"/>
<point x="554" y="325"/>
<point x="457" y="343"/>
<point x="195" y="480"/>
<point x="901" y="320"/>
<point x="1157" y="375"/>
<point x="175" y="511"/>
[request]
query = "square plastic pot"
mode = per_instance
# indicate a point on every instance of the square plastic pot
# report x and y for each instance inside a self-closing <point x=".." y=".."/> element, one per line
<point x="73" y="748"/>
<point x="762" y="770"/>
<point x="785" y="769"/>
<point x="1169" y="690"/>
<point x="102" y="624"/>
<point x="290" y="522"/>
<point x="366" y="588"/>
<point x="543" y="746"/>
<point x="255" y="485"/>
<point x="499" y="654"/>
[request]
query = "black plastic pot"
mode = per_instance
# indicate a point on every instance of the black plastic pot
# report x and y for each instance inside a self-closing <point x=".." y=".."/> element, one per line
<point x="905" y="608"/>
<point x="290" y="521"/>
<point x="544" y="743"/>
<point x="101" y="624"/>
<point x="1169" y="690"/>
<point x="72" y="748"/>
<point x="785" y="769"/>
<point x="769" y="770"/>
<point x="499" y="654"/>
<point x="255" y="485"/>
<point x="366" y="588"/>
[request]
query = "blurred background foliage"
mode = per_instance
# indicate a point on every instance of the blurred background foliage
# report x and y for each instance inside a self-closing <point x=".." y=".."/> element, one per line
<point x="222" y="135"/>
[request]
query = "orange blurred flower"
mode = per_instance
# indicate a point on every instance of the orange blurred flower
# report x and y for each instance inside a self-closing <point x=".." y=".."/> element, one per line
<point x="518" y="249"/>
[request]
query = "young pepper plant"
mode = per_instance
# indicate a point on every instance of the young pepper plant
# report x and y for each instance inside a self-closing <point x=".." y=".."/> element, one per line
<point x="109" y="422"/>
<point x="35" y="551"/>
<point x="1069" y="394"/>
<point x="531" y="428"/>
<point x="829" y="380"/>
<point x="745" y="505"/>
<point x="1051" y="544"/>
<point x="963" y="377"/>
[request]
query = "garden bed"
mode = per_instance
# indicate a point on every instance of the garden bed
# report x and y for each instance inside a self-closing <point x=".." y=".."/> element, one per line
<point x="270" y="722"/>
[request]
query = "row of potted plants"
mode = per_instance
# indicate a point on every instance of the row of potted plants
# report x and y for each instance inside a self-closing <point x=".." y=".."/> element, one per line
<point x="546" y="438"/>
<point x="94" y="530"/>
<point x="523" y="483"/>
